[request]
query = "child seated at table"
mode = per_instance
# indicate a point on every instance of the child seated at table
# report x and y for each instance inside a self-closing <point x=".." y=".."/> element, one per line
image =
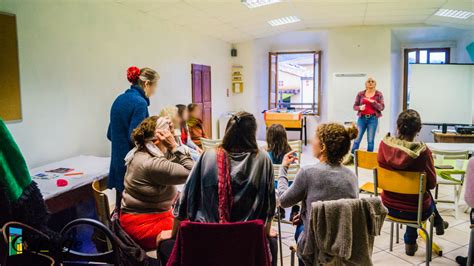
<point x="403" y="153"/>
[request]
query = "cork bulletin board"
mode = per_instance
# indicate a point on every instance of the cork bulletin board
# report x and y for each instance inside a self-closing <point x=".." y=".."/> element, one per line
<point x="10" y="100"/>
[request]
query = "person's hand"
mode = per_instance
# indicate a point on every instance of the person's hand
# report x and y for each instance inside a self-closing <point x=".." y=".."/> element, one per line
<point x="167" y="138"/>
<point x="289" y="158"/>
<point x="362" y="107"/>
<point x="296" y="219"/>
<point x="164" y="235"/>
<point x="272" y="233"/>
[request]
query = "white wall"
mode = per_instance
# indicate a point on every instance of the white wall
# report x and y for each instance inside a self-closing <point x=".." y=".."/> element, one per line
<point x="396" y="57"/>
<point x="253" y="55"/>
<point x="73" y="58"/>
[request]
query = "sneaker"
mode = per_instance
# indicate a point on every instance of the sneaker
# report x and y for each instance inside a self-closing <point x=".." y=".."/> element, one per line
<point x="461" y="260"/>
<point x="410" y="249"/>
<point x="440" y="228"/>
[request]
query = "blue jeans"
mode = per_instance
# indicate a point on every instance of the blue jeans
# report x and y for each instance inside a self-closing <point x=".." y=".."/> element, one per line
<point x="411" y="234"/>
<point x="298" y="231"/>
<point x="368" y="124"/>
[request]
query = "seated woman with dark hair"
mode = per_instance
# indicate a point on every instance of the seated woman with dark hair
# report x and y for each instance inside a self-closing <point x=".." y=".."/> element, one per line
<point x="403" y="153"/>
<point x="250" y="192"/>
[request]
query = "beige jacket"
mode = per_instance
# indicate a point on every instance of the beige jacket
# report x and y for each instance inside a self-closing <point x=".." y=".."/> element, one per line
<point x="150" y="181"/>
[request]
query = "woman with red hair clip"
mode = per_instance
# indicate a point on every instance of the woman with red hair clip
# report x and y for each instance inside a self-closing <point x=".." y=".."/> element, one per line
<point x="127" y="112"/>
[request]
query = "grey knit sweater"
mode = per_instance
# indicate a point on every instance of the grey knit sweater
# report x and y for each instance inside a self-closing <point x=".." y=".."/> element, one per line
<point x="316" y="182"/>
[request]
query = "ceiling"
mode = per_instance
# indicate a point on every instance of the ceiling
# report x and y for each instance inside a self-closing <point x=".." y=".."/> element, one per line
<point x="233" y="22"/>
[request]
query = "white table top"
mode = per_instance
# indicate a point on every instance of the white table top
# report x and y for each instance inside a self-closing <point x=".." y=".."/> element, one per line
<point x="452" y="146"/>
<point x="93" y="168"/>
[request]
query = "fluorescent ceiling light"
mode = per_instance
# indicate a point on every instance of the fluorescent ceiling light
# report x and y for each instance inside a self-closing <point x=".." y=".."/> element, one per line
<point x="283" y="21"/>
<point x="258" y="3"/>
<point x="452" y="13"/>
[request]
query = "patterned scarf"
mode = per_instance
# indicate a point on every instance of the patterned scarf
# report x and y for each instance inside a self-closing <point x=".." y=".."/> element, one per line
<point x="225" y="195"/>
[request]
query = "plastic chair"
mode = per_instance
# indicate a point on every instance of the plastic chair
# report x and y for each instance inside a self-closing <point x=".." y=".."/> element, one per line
<point x="406" y="183"/>
<point x="457" y="185"/>
<point x="32" y="247"/>
<point x="366" y="160"/>
<point x="210" y="143"/>
<point x="71" y="257"/>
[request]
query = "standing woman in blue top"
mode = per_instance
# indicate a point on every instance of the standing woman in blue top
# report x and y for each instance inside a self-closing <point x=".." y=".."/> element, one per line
<point x="127" y="112"/>
<point x="369" y="105"/>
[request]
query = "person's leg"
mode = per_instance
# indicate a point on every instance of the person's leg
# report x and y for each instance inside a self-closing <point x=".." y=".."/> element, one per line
<point x="273" y="243"/>
<point x="164" y="250"/>
<point x="372" y="124"/>
<point x="362" y="126"/>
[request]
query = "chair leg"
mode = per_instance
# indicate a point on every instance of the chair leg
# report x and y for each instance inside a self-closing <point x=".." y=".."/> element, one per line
<point x="431" y="237"/>
<point x="457" y="195"/>
<point x="391" y="236"/>
<point x="397" y="234"/>
<point x="292" y="258"/>
<point x="279" y="236"/>
<point x="436" y="192"/>
<point x="470" y="250"/>
<point x="428" y="246"/>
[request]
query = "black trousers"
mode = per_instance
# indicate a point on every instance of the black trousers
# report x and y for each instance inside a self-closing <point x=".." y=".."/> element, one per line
<point x="165" y="248"/>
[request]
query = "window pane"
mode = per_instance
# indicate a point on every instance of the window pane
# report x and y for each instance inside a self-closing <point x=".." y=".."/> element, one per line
<point x="412" y="57"/>
<point x="295" y="80"/>
<point x="423" y="57"/>
<point x="437" y="57"/>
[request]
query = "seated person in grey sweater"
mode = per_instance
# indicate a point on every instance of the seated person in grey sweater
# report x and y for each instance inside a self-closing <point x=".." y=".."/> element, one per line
<point x="326" y="180"/>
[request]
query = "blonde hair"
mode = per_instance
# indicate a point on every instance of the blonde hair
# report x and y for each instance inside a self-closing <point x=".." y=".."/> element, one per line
<point x="169" y="111"/>
<point x="147" y="74"/>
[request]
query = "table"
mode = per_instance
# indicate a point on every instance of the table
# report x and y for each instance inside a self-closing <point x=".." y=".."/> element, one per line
<point x="79" y="187"/>
<point x="291" y="120"/>
<point x="452" y="146"/>
<point x="453" y="137"/>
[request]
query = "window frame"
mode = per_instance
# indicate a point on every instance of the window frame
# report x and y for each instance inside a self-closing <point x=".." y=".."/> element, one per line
<point x="314" y="111"/>
<point x="446" y="50"/>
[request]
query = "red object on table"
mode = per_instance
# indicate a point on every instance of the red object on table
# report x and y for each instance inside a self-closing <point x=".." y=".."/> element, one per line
<point x="61" y="182"/>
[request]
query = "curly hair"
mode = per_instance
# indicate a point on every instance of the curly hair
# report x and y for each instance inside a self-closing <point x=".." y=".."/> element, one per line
<point x="145" y="130"/>
<point x="337" y="140"/>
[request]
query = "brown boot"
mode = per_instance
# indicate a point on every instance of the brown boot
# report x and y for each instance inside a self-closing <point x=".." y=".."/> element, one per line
<point x="410" y="249"/>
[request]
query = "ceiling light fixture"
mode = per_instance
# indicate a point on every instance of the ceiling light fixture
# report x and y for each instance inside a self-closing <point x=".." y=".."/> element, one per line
<point x="258" y="3"/>
<point x="283" y="21"/>
<point x="452" y="13"/>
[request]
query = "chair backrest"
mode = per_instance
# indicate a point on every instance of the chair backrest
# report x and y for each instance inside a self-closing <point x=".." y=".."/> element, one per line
<point x="452" y="155"/>
<point x="402" y="182"/>
<point x="292" y="171"/>
<point x="72" y="229"/>
<point x="25" y="245"/>
<point x="366" y="160"/>
<point x="214" y="244"/>
<point x="296" y="145"/>
<point x="101" y="201"/>
<point x="210" y="143"/>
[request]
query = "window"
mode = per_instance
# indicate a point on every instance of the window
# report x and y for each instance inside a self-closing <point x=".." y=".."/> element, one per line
<point x="421" y="56"/>
<point x="295" y="81"/>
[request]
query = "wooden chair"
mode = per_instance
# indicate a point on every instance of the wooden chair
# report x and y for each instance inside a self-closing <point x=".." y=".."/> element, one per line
<point x="31" y="246"/>
<point x="210" y="143"/>
<point x="457" y="185"/>
<point x="102" y="205"/>
<point x="296" y="145"/>
<point x="72" y="257"/>
<point x="366" y="160"/>
<point x="406" y="183"/>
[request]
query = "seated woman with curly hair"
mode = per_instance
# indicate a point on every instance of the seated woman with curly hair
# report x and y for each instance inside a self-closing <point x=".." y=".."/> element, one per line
<point x="326" y="180"/>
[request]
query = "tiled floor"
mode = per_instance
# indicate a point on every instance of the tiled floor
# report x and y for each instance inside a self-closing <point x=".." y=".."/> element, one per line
<point x="454" y="242"/>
